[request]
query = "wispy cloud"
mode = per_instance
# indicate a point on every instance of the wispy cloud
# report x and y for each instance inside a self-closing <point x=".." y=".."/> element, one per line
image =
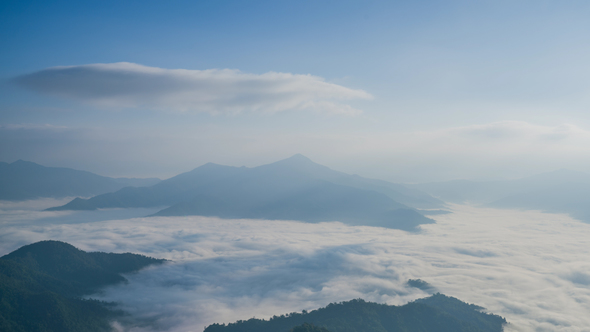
<point x="530" y="267"/>
<point x="129" y="85"/>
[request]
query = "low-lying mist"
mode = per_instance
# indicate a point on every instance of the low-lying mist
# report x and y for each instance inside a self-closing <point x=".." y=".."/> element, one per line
<point x="529" y="267"/>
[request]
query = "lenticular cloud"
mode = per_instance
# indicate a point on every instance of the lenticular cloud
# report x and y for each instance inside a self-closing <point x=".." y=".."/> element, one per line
<point x="129" y="85"/>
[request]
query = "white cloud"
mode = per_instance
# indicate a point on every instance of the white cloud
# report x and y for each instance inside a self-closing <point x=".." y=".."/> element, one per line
<point x="530" y="267"/>
<point x="129" y="85"/>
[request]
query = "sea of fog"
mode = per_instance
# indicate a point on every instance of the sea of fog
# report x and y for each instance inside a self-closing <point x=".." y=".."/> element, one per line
<point x="530" y="267"/>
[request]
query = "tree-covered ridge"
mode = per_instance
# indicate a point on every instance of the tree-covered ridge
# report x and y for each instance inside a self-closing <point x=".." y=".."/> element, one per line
<point x="41" y="285"/>
<point x="438" y="313"/>
<point x="306" y="327"/>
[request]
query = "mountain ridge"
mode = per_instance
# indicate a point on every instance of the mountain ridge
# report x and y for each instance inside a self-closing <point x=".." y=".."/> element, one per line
<point x="22" y="180"/>
<point x="280" y="190"/>
<point x="432" y="314"/>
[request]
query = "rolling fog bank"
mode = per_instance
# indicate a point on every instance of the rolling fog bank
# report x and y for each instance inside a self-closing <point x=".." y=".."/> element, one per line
<point x="529" y="267"/>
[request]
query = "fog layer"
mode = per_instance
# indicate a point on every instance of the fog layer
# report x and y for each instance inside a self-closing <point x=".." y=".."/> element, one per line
<point x="529" y="267"/>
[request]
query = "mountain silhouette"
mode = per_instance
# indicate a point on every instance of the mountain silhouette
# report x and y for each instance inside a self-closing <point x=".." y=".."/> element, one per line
<point x="23" y="180"/>
<point x="295" y="188"/>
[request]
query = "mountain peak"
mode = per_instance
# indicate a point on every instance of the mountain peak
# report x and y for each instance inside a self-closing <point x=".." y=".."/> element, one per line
<point x="295" y="162"/>
<point x="42" y="247"/>
<point x="299" y="158"/>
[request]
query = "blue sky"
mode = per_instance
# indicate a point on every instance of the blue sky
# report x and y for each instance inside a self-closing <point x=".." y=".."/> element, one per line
<point x="452" y="89"/>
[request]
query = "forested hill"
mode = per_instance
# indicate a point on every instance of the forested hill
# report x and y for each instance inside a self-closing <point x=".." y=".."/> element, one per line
<point x="41" y="285"/>
<point x="438" y="313"/>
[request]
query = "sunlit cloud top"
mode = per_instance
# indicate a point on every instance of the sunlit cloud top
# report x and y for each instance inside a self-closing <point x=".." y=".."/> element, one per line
<point x="129" y="85"/>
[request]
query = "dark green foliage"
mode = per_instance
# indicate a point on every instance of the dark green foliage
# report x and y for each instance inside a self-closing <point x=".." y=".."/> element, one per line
<point x="461" y="310"/>
<point x="437" y="313"/>
<point x="306" y="327"/>
<point x="41" y="285"/>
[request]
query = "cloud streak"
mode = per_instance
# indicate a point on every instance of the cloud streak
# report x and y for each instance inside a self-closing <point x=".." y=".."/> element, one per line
<point x="530" y="267"/>
<point x="217" y="91"/>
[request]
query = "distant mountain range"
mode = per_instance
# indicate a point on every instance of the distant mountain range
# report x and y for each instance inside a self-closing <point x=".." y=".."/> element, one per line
<point x="438" y="313"/>
<point x="41" y="285"/>
<point x="292" y="189"/>
<point x="561" y="191"/>
<point x="23" y="180"/>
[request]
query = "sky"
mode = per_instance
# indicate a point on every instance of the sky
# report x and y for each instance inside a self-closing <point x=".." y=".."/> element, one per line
<point x="529" y="267"/>
<point x="406" y="91"/>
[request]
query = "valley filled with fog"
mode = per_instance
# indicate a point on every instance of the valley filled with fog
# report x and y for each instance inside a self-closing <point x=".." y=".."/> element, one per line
<point x="192" y="165"/>
<point x="530" y="267"/>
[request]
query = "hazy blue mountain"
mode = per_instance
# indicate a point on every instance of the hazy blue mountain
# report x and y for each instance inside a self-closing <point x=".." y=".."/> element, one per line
<point x="136" y="182"/>
<point x="41" y="285"/>
<point x="437" y="313"/>
<point x="165" y="193"/>
<point x="292" y="189"/>
<point x="399" y="193"/>
<point x="561" y="191"/>
<point x="22" y="180"/>
<point x="318" y="202"/>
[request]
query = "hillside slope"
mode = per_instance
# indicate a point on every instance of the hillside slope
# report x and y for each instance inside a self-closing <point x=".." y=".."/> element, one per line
<point x="437" y="313"/>
<point x="41" y="285"/>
